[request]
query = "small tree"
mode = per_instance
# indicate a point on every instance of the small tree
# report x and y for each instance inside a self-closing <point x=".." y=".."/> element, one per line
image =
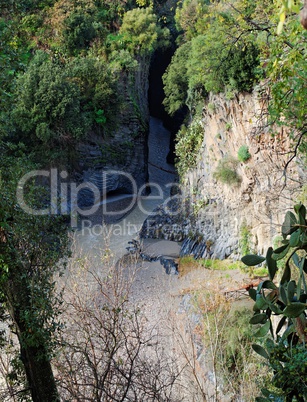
<point x="141" y="33"/>
<point x="47" y="109"/>
<point x="79" y="31"/>
<point x="243" y="153"/>
<point x="30" y="248"/>
<point x="58" y="104"/>
<point x="226" y="172"/>
<point x="175" y="80"/>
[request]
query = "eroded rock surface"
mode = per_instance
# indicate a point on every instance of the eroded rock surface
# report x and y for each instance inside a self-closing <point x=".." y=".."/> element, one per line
<point x="222" y="215"/>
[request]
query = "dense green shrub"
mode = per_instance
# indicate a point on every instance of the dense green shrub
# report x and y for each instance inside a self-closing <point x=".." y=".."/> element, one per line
<point x="245" y="238"/>
<point x="214" y="64"/>
<point x="175" y="80"/>
<point x="240" y="67"/>
<point x="188" y="15"/>
<point x="206" y="64"/>
<point x="189" y="140"/>
<point x="48" y="103"/>
<point x="141" y="33"/>
<point x="243" y="153"/>
<point x="211" y="59"/>
<point x="58" y="104"/>
<point x="226" y="171"/>
<point x="97" y="89"/>
<point x="78" y="32"/>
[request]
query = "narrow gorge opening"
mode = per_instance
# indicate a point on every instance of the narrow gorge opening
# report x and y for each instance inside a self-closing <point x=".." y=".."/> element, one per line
<point x="160" y="61"/>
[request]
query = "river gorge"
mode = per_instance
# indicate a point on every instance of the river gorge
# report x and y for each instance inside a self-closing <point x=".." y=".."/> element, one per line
<point x="153" y="233"/>
<point x="162" y="176"/>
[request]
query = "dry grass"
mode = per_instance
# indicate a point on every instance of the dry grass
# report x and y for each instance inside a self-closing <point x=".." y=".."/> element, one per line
<point x="226" y="335"/>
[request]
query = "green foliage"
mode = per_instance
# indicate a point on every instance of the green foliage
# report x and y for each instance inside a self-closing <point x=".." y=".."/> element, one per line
<point x="214" y="64"/>
<point x="220" y="265"/>
<point x="187" y="16"/>
<point x="144" y="3"/>
<point x="122" y="60"/>
<point x="285" y="349"/>
<point x="236" y="340"/>
<point x="189" y="140"/>
<point x="245" y="239"/>
<point x="226" y="43"/>
<point x="302" y="197"/>
<point x="211" y="107"/>
<point x="294" y="369"/>
<point x="245" y="247"/>
<point x="79" y="31"/>
<point x="31" y="23"/>
<point x="188" y="263"/>
<point x="59" y="103"/>
<point x="13" y="57"/>
<point x="199" y="205"/>
<point x="228" y="126"/>
<point x="287" y="73"/>
<point x="214" y="55"/>
<point x="140" y="32"/>
<point x="243" y="153"/>
<point x="289" y="6"/>
<point x="175" y="80"/>
<point x="100" y="117"/>
<point x="83" y="25"/>
<point x="240" y="67"/>
<point x="48" y="102"/>
<point x="226" y="171"/>
<point x="30" y="248"/>
<point x="97" y="90"/>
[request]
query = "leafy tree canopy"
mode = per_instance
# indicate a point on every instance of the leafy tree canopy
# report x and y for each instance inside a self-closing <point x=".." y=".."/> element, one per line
<point x="57" y="104"/>
<point x="188" y="15"/>
<point x="287" y="77"/>
<point x="235" y="45"/>
<point x="79" y="31"/>
<point x="176" y="80"/>
<point x="220" y="54"/>
<point x="141" y="33"/>
<point x="48" y="102"/>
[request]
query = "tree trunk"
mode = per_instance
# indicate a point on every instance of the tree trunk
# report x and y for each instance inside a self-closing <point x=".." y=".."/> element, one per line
<point x="39" y="374"/>
<point x="34" y="354"/>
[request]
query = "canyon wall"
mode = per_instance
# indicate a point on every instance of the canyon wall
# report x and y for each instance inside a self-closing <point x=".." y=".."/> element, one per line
<point x="222" y="219"/>
<point x="125" y="148"/>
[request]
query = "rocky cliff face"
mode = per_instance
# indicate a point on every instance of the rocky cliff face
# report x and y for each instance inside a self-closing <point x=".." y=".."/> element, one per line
<point x="125" y="149"/>
<point x="246" y="213"/>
